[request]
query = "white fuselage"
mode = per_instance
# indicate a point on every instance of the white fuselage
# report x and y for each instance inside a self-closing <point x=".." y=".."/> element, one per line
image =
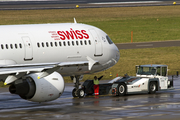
<point x="49" y="43"/>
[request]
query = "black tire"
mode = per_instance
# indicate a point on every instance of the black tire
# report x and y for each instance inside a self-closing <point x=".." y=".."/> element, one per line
<point x="89" y="94"/>
<point x="122" y="89"/>
<point x="152" y="87"/>
<point x="74" y="94"/>
<point x="80" y="93"/>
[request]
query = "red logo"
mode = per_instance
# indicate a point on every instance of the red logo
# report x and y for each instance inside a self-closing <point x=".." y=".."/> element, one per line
<point x="50" y="95"/>
<point x="72" y="34"/>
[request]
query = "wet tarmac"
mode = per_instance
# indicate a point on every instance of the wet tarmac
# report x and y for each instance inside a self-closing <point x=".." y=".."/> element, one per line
<point x="162" y="105"/>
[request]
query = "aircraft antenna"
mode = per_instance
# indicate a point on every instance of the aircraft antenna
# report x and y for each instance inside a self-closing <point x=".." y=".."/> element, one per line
<point x="75" y="20"/>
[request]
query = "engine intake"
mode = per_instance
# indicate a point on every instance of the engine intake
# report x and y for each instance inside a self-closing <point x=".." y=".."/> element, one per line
<point x="25" y="88"/>
<point x="45" y="89"/>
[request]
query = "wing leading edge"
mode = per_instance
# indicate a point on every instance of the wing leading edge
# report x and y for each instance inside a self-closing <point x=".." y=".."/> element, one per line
<point x="17" y="71"/>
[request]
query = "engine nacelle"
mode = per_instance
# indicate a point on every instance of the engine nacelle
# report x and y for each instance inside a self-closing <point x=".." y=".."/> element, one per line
<point x="45" y="89"/>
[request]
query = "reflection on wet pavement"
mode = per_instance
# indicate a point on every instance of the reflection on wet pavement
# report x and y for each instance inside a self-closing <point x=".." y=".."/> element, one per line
<point x="162" y="105"/>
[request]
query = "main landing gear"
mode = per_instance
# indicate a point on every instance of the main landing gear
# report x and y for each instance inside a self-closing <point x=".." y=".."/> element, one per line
<point x="76" y="92"/>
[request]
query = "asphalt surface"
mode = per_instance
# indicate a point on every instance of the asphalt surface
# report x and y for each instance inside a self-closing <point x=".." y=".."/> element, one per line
<point x="139" y="45"/>
<point x="69" y="4"/>
<point x="163" y="105"/>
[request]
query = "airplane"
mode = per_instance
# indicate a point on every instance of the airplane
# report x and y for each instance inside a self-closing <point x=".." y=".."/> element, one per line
<point x="34" y="57"/>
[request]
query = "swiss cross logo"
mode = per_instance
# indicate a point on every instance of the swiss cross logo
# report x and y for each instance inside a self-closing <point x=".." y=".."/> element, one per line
<point x="50" y="95"/>
<point x="67" y="35"/>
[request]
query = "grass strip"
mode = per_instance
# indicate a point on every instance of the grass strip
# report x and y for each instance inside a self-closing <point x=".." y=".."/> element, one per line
<point x="153" y="23"/>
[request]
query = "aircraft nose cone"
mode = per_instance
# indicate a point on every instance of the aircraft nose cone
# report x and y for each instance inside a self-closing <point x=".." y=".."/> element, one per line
<point x="117" y="54"/>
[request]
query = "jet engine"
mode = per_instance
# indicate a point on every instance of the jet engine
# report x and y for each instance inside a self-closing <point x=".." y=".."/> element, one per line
<point x="33" y="89"/>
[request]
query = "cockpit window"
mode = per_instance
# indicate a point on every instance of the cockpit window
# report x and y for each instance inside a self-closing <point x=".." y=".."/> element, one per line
<point x="109" y="40"/>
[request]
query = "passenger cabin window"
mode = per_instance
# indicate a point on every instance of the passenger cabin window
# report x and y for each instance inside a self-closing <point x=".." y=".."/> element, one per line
<point x="47" y="44"/>
<point x="55" y="44"/>
<point x="68" y="43"/>
<point x="20" y="45"/>
<point x="85" y="42"/>
<point x="73" y="43"/>
<point x="89" y="42"/>
<point x="38" y="45"/>
<point x="6" y="46"/>
<point x="11" y="46"/>
<point x="109" y="40"/>
<point x="42" y="44"/>
<point x="51" y="44"/>
<point x="81" y="42"/>
<point x="16" y="46"/>
<point x="2" y="47"/>
<point x="59" y="43"/>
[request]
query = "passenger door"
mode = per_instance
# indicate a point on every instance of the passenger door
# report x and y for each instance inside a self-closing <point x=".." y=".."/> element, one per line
<point x="27" y="48"/>
<point x="98" y="45"/>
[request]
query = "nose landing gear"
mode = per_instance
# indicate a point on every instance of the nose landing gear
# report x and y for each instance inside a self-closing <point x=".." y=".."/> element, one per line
<point x="76" y="92"/>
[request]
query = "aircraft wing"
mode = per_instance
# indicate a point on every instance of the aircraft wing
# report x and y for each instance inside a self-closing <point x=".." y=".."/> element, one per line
<point x="16" y="71"/>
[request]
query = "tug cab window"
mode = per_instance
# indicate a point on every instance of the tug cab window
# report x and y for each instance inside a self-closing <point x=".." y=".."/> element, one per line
<point x="109" y="40"/>
<point x="158" y="71"/>
<point x="146" y="71"/>
<point x="164" y="71"/>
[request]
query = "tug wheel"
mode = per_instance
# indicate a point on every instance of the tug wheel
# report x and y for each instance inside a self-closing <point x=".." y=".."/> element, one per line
<point x="152" y="87"/>
<point x="122" y="89"/>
